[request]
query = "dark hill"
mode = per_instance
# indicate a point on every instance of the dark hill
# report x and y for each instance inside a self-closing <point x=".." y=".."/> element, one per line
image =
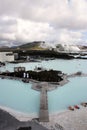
<point x="30" y="45"/>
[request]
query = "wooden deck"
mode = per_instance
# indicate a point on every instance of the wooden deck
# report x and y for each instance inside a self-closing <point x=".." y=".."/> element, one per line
<point x="43" y="114"/>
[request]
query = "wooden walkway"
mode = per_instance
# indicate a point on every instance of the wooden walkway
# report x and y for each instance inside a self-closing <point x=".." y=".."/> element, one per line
<point x="44" y="114"/>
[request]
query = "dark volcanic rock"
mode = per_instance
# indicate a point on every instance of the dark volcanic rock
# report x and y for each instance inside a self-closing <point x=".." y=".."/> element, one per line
<point x="44" y="53"/>
<point x="46" y="76"/>
<point x="2" y="64"/>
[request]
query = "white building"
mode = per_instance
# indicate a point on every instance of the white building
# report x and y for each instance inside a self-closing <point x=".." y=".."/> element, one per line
<point x="19" y="69"/>
<point x="6" y="56"/>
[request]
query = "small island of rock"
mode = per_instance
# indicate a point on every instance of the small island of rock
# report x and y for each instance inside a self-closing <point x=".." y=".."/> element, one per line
<point x="42" y="76"/>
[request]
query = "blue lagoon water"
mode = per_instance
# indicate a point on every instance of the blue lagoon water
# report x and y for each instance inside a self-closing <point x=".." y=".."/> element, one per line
<point x="70" y="94"/>
<point x="19" y="96"/>
<point x="67" y="66"/>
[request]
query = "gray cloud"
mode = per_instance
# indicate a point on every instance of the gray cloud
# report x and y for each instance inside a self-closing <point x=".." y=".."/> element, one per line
<point x="50" y="20"/>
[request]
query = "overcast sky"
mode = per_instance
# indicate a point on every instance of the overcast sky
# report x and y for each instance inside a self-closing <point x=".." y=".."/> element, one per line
<point x="58" y="21"/>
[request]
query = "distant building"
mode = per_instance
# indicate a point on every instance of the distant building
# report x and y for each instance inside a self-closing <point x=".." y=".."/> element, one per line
<point x="6" y="56"/>
<point x="38" y="69"/>
<point x="16" y="56"/>
<point x="19" y="69"/>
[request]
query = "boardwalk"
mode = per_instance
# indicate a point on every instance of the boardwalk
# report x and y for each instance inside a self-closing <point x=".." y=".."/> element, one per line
<point x="44" y="114"/>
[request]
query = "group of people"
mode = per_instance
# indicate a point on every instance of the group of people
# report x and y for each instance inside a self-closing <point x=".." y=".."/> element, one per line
<point x="26" y="75"/>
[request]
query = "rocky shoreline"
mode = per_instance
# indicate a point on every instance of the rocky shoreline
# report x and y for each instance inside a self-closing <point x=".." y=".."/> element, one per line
<point x="42" y="76"/>
<point x="45" y="53"/>
<point x="2" y="64"/>
<point x="37" y="83"/>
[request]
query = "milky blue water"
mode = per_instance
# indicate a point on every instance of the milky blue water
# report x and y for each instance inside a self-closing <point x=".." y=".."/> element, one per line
<point x="70" y="94"/>
<point x="19" y="96"/>
<point x="67" y="66"/>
